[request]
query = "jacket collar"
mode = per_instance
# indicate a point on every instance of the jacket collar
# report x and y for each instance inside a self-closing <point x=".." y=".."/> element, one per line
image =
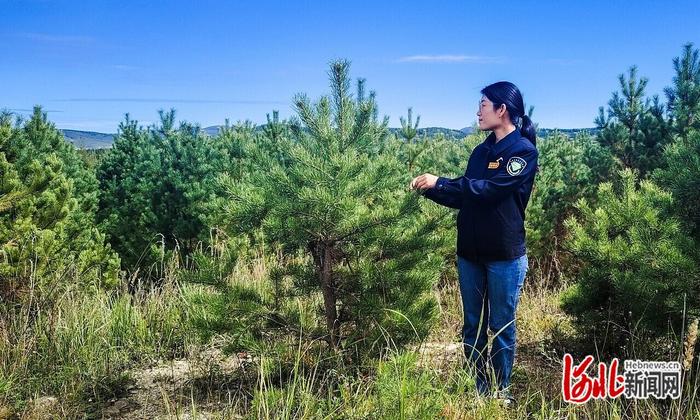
<point x="504" y="143"/>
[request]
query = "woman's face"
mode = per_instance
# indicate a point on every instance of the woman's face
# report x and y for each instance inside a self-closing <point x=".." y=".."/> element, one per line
<point x="488" y="117"/>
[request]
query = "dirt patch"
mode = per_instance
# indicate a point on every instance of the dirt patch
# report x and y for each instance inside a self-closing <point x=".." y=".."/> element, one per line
<point x="198" y="387"/>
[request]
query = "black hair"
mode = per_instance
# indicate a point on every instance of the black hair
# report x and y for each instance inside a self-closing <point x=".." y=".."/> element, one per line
<point x="507" y="93"/>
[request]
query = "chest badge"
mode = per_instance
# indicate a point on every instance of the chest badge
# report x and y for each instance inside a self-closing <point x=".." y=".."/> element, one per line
<point x="496" y="164"/>
<point x="515" y="165"/>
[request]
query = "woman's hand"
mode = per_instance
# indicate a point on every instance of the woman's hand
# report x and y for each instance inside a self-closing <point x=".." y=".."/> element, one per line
<point x="424" y="181"/>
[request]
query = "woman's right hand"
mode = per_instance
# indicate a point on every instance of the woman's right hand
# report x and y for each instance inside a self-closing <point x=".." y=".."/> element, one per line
<point x="423" y="182"/>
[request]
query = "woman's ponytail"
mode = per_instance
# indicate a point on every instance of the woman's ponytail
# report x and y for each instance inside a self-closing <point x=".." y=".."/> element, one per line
<point x="527" y="130"/>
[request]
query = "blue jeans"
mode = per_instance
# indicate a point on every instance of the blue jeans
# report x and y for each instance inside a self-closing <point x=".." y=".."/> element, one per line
<point x="497" y="283"/>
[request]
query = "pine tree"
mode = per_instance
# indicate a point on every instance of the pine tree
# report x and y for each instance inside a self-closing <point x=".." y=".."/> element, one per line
<point x="408" y="132"/>
<point x="48" y="232"/>
<point x="408" y="129"/>
<point x="274" y="130"/>
<point x="635" y="128"/>
<point x="684" y="95"/>
<point x="127" y="175"/>
<point x="574" y="168"/>
<point x="155" y="186"/>
<point x="342" y="206"/>
<point x="681" y="176"/>
<point x="638" y="267"/>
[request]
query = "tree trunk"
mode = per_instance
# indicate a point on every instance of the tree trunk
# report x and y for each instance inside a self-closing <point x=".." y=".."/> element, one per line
<point x="329" y="299"/>
<point x="323" y="258"/>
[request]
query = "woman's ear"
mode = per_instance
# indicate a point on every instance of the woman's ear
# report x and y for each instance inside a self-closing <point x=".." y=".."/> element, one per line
<point x="501" y="110"/>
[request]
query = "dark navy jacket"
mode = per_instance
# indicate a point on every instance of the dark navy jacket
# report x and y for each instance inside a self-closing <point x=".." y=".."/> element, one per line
<point x="491" y="197"/>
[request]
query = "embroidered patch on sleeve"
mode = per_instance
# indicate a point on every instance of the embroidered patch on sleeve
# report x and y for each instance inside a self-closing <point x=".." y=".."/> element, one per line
<point x="515" y="165"/>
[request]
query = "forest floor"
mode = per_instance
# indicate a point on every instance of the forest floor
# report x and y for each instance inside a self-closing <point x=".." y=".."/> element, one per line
<point x="207" y="383"/>
<point x="426" y="381"/>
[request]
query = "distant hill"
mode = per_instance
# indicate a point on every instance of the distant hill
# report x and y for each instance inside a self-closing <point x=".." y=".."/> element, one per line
<point x="571" y="132"/>
<point x="93" y="140"/>
<point x="431" y="131"/>
<point x="88" y="139"/>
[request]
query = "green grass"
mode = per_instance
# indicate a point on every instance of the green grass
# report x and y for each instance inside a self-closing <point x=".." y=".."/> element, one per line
<point x="79" y="349"/>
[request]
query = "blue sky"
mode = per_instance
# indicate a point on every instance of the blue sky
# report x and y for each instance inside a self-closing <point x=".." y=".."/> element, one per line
<point x="89" y="62"/>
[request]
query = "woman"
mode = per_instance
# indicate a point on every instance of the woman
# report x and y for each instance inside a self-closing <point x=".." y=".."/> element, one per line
<point x="491" y="257"/>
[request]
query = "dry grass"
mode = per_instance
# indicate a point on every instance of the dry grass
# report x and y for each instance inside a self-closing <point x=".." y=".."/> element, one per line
<point x="124" y="341"/>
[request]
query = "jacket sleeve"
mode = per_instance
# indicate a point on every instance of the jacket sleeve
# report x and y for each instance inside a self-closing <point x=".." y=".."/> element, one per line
<point x="498" y="186"/>
<point x="443" y="199"/>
